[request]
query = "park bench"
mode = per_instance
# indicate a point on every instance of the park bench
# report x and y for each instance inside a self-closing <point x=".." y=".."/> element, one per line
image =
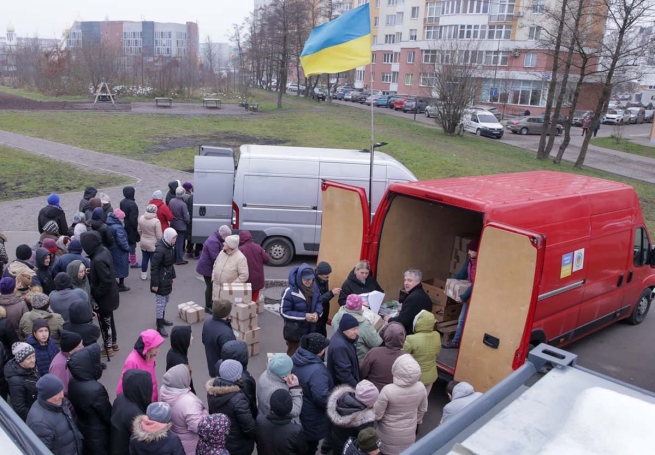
<point x="162" y="101"/>
<point x="211" y="103"/>
<point x="254" y="107"/>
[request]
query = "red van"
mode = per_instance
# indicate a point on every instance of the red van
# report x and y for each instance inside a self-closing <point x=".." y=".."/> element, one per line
<point x="560" y="257"/>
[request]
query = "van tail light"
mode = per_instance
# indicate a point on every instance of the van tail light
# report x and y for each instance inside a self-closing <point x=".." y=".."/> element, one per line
<point x="235" y="216"/>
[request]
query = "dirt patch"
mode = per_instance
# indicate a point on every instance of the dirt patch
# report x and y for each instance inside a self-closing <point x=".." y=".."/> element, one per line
<point x="13" y="102"/>
<point x="231" y="140"/>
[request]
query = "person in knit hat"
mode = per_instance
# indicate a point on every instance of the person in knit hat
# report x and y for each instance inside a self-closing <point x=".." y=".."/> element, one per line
<point x="367" y="442"/>
<point x="231" y="266"/>
<point x="64" y="295"/>
<point x="70" y="343"/>
<point x="163" y="212"/>
<point x="210" y="251"/>
<point x="277" y="433"/>
<point x="13" y="304"/>
<point x="322" y="272"/>
<point x="342" y="360"/>
<point x="212" y="433"/>
<point x="162" y="275"/>
<point x="44" y="347"/>
<point x="41" y="310"/>
<point x="368" y="337"/>
<point x="278" y="376"/>
<point x="224" y="395"/>
<point x="53" y="212"/>
<point x="21" y="375"/>
<point x="181" y="221"/>
<point x="150" y="232"/>
<point x="151" y="433"/>
<point x="51" y="420"/>
<point x="74" y="254"/>
<point x="50" y="245"/>
<point x="21" y="264"/>
<point x="79" y="225"/>
<point x="216" y="331"/>
<point x="351" y="410"/>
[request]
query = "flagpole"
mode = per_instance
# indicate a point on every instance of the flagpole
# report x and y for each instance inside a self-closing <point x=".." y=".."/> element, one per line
<point x="370" y="180"/>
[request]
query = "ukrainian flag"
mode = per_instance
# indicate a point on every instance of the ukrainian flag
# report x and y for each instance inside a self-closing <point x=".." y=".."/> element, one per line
<point x="339" y="45"/>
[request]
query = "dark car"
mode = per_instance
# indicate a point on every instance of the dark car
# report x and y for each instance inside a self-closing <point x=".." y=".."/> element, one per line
<point x="361" y="98"/>
<point x="412" y="104"/>
<point x="319" y="94"/>
<point x="391" y="101"/>
<point x="578" y="117"/>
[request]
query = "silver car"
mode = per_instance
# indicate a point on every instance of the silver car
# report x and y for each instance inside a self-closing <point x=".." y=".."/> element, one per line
<point x="616" y="116"/>
<point x="637" y="114"/>
<point x="533" y="124"/>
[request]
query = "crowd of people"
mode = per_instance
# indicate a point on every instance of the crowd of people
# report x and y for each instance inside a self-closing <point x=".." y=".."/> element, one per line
<point x="359" y="392"/>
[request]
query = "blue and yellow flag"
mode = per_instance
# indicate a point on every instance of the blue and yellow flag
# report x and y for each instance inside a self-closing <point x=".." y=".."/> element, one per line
<point x="339" y="45"/>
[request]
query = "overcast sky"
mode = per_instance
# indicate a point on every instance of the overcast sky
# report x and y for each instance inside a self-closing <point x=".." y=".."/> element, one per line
<point x="48" y="18"/>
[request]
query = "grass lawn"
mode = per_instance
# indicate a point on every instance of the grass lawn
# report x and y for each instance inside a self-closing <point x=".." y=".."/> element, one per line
<point x="36" y="96"/>
<point x="626" y="145"/>
<point x="24" y="175"/>
<point x="172" y="141"/>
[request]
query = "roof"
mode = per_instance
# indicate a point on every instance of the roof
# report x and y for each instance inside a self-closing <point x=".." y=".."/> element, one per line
<point x="312" y="154"/>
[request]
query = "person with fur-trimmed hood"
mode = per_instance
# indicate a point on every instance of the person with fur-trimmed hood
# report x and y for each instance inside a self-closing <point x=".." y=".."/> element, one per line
<point x="152" y="435"/>
<point x="350" y="410"/>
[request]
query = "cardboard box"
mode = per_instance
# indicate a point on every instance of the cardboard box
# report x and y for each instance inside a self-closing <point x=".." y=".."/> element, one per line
<point x="462" y="242"/>
<point x="455" y="288"/>
<point x="434" y="287"/>
<point x="376" y="320"/>
<point x="444" y="313"/>
<point x="253" y="349"/>
<point x="244" y="311"/>
<point x="457" y="261"/>
<point x="245" y="325"/>
<point x="442" y="325"/>
<point x="235" y="291"/>
<point x="250" y="337"/>
<point x="191" y="312"/>
<point x="447" y="333"/>
<point x="261" y="306"/>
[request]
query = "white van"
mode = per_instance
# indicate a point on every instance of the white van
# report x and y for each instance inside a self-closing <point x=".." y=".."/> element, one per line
<point x="482" y="123"/>
<point x="275" y="192"/>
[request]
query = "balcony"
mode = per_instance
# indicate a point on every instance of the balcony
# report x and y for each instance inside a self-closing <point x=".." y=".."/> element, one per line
<point x="431" y="20"/>
<point x="501" y="18"/>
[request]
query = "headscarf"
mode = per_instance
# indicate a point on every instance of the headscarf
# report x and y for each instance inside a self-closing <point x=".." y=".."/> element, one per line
<point x="169" y="234"/>
<point x="71" y="270"/>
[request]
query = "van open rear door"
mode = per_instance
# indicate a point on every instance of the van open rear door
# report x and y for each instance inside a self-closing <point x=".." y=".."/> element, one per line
<point x="499" y="320"/>
<point x="344" y="228"/>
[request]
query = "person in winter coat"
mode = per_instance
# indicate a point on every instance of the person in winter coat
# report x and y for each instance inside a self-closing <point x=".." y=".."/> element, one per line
<point x="368" y="338"/>
<point x="53" y="212"/>
<point x="120" y="249"/>
<point x="186" y="408"/>
<point x="180" y="223"/>
<point x="50" y="234"/>
<point x="277" y="433"/>
<point x="192" y="249"/>
<point x="172" y="188"/>
<point x="81" y="322"/>
<point x="21" y="376"/>
<point x="231" y="266"/>
<point x="150" y="232"/>
<point x="416" y="301"/>
<point x="342" y="360"/>
<point x="79" y="225"/>
<point x="62" y="247"/>
<point x="94" y="203"/>
<point x="377" y="364"/>
<point x="51" y="419"/>
<point x="44" y="347"/>
<point x="131" y="210"/>
<point x="74" y="254"/>
<point x="401" y="406"/>
<point x="99" y="225"/>
<point x="104" y="289"/>
<point x="41" y="310"/>
<point x="210" y="250"/>
<point x="14" y="305"/>
<point x="134" y="401"/>
<point x="212" y="434"/>
<point x="21" y="264"/>
<point x="78" y="273"/>
<point x="238" y="350"/>
<point x="466" y="273"/>
<point x="181" y="339"/>
<point x="162" y="275"/>
<point x="278" y="376"/>
<point x="8" y="335"/>
<point x="70" y="344"/>
<point x="351" y="410"/>
<point x="106" y="204"/>
<point x="460" y="394"/>
<point x="142" y="357"/>
<point x="301" y="306"/>
<point x="367" y="442"/>
<point x="65" y="295"/>
<point x="425" y="346"/>
<point x="256" y="257"/>
<point x="89" y="193"/>
<point x="359" y="281"/>
<point x="152" y="435"/>
<point x="163" y="212"/>
<point x="4" y="259"/>
<point x="225" y="396"/>
<point x="216" y="331"/>
<point x="316" y="384"/>
<point x="90" y="400"/>
<point x="322" y="272"/>
<point x="43" y="270"/>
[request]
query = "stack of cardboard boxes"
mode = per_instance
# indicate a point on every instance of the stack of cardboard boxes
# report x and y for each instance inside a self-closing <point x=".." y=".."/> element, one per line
<point x="191" y="312"/>
<point x="460" y="253"/>
<point x="245" y="318"/>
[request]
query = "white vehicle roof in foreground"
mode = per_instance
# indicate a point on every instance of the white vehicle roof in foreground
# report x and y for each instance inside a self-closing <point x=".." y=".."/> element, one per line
<point x="276" y="152"/>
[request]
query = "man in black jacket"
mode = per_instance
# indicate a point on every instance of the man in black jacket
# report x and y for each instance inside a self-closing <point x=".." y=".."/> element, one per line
<point x="53" y="212"/>
<point x="134" y="401"/>
<point x="416" y="300"/>
<point x="342" y="362"/>
<point x="131" y="223"/>
<point x="216" y="331"/>
<point x="275" y="433"/>
<point x="322" y="272"/>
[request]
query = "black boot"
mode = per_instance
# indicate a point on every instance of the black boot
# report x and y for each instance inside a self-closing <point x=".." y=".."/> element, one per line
<point x="166" y="322"/>
<point x="160" y="328"/>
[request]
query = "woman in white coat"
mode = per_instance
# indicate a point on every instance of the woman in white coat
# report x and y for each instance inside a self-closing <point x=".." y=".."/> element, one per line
<point x="149" y="228"/>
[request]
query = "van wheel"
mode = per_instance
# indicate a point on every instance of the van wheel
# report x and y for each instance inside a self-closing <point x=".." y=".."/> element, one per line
<point x="279" y="249"/>
<point x="524" y="131"/>
<point x="478" y="132"/>
<point x="641" y="310"/>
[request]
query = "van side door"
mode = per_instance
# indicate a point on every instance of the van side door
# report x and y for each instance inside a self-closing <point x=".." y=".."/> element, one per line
<point x="638" y="271"/>
<point x="213" y="178"/>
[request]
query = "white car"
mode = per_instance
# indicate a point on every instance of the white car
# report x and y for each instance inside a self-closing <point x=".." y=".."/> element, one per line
<point x="616" y="116"/>
<point x="482" y="123"/>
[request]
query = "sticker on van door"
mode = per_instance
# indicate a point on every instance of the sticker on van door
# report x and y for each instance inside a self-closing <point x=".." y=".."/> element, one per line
<point x="578" y="260"/>
<point x="567" y="264"/>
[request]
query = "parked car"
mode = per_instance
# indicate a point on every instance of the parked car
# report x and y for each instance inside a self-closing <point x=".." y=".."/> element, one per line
<point x="482" y="123"/>
<point x="292" y="88"/>
<point x="361" y="97"/>
<point x="415" y="104"/>
<point x="561" y="119"/>
<point x="342" y="95"/>
<point x="382" y="100"/>
<point x="616" y="116"/>
<point x="493" y="110"/>
<point x="319" y="94"/>
<point x="637" y="114"/>
<point x="432" y="110"/>
<point x="391" y="101"/>
<point x="349" y="95"/>
<point x="399" y="102"/>
<point x="648" y="115"/>
<point x="532" y="124"/>
<point x="578" y="117"/>
<point x="371" y="100"/>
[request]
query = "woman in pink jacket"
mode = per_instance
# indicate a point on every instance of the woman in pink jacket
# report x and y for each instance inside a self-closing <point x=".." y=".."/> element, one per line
<point x="142" y="357"/>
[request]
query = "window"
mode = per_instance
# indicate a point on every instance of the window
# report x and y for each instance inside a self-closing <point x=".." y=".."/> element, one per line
<point x="429" y="56"/>
<point x="433" y="12"/>
<point x="394" y="77"/>
<point x="392" y="2"/>
<point x="390" y="19"/>
<point x="432" y="32"/>
<point x="386" y="77"/>
<point x="409" y="79"/>
<point x="359" y="75"/>
<point x="389" y="39"/>
<point x="373" y="57"/>
<point x="399" y="37"/>
<point x="538" y="6"/>
<point x="410" y="57"/>
<point x="497" y="32"/>
<point x="376" y="21"/>
<point x="412" y="34"/>
<point x="387" y="57"/>
<point x="396" y="57"/>
<point x="375" y="39"/>
<point x="400" y="17"/>
<point x="377" y="3"/>
<point x="528" y="93"/>
<point x="641" y="248"/>
<point x="415" y="13"/>
<point x="427" y="80"/>
<point x="502" y="11"/>
<point x="530" y="60"/>
<point x="496" y="58"/>
<point x="534" y="32"/>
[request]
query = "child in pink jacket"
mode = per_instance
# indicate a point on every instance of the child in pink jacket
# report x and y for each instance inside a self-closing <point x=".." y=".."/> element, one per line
<point x="142" y="357"/>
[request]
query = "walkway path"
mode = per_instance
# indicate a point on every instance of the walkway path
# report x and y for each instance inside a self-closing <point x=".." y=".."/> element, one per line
<point x="20" y="215"/>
